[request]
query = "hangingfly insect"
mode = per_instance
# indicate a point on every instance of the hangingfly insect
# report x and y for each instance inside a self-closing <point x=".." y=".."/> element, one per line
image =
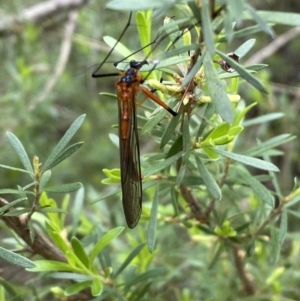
<point x="128" y="87"/>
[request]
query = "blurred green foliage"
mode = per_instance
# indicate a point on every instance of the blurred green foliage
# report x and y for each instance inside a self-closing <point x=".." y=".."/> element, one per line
<point x="233" y="257"/>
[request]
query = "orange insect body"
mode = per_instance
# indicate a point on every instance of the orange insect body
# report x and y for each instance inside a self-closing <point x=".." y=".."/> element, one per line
<point x="131" y="178"/>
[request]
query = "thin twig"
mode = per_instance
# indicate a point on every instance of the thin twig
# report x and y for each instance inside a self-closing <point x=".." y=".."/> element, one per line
<point x="65" y="51"/>
<point x="271" y="48"/>
<point x="37" y="14"/>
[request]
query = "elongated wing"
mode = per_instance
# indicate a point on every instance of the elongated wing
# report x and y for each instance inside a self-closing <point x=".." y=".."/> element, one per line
<point x="129" y="154"/>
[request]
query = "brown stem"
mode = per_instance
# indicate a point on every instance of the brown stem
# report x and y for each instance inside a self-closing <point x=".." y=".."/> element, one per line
<point x="40" y="245"/>
<point x="248" y="285"/>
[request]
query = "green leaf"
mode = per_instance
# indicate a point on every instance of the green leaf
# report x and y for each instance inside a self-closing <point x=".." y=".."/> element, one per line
<point x="77" y="287"/>
<point x="243" y="72"/>
<point x="153" y="121"/>
<point x="79" y="251"/>
<point x="14" y="168"/>
<point x="262" y="147"/>
<point x="145" y="276"/>
<point x="244" y="48"/>
<point x="216" y="256"/>
<point x="263" y="119"/>
<point x="97" y="286"/>
<point x="65" y="154"/>
<point x="274" y="246"/>
<point x="120" y="48"/>
<point x="14" y="191"/>
<point x="64" y="188"/>
<point x="63" y="142"/>
<point x="217" y="90"/>
<point x="161" y="165"/>
<point x="12" y="204"/>
<point x="242" y="114"/>
<point x="152" y="226"/>
<point x="104" y="241"/>
<point x="260" y="190"/>
<point x="176" y="147"/>
<point x="129" y="258"/>
<point x="16" y="259"/>
<point x="51" y="265"/>
<point x="285" y="18"/>
<point x="248" y="160"/>
<point x="208" y="180"/>
<point x="143" y="21"/>
<point x="206" y="27"/>
<point x="169" y="131"/>
<point x="20" y="150"/>
<point x="45" y="179"/>
<point x="180" y="174"/>
<point x="259" y="20"/>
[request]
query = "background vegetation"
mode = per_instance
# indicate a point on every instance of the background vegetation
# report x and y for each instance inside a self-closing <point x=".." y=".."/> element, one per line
<point x="247" y="251"/>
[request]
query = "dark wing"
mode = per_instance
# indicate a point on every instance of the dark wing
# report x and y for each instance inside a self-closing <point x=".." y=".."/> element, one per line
<point x="131" y="179"/>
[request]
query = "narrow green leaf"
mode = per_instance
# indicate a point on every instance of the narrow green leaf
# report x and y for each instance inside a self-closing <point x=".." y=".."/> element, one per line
<point x="152" y="225"/>
<point x="190" y="76"/>
<point x="153" y="121"/>
<point x="73" y="276"/>
<point x="44" y="179"/>
<point x="208" y="180"/>
<point x="283" y="225"/>
<point x="145" y="276"/>
<point x="216" y="256"/>
<point x="63" y="142"/>
<point x="260" y="190"/>
<point x="243" y="72"/>
<point x="180" y="174"/>
<point x="248" y="160"/>
<point x="17" y="212"/>
<point x="16" y="259"/>
<point x="209" y="111"/>
<point x="144" y="30"/>
<point x="65" y="154"/>
<point x="169" y="131"/>
<point x="119" y="48"/>
<point x="274" y="246"/>
<point x="263" y="119"/>
<point x="244" y="48"/>
<point x="64" y="188"/>
<point x="50" y="265"/>
<point x="176" y="147"/>
<point x="14" y="191"/>
<point x="104" y="241"/>
<point x="79" y="251"/>
<point x="77" y="287"/>
<point x="217" y="90"/>
<point x="14" y="168"/>
<point x="262" y="147"/>
<point x="20" y="150"/>
<point x="260" y="21"/>
<point x="12" y="204"/>
<point x="285" y="18"/>
<point x="130" y="257"/>
<point x="161" y="165"/>
<point x="97" y="286"/>
<point x="207" y="28"/>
